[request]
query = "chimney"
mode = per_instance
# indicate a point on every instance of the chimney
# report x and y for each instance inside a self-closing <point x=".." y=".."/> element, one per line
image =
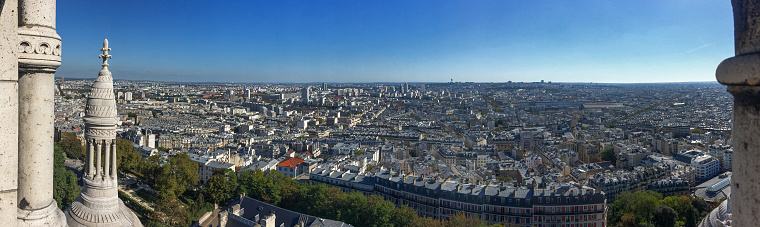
<point x="223" y="218"/>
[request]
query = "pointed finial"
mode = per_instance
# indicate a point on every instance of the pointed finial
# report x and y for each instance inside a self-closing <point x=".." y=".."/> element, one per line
<point x="105" y="56"/>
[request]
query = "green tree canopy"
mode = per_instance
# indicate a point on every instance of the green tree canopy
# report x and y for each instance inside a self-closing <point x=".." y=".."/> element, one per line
<point x="172" y="177"/>
<point x="221" y="187"/>
<point x="665" y="216"/>
<point x="65" y="187"/>
<point x="71" y="145"/>
<point x="127" y="157"/>
<point x="608" y="154"/>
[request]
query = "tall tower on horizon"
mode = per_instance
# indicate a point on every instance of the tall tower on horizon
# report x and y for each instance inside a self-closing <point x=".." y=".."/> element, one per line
<point x="99" y="203"/>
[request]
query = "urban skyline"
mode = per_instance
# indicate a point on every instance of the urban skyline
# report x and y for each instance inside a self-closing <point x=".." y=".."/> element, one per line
<point x="394" y="114"/>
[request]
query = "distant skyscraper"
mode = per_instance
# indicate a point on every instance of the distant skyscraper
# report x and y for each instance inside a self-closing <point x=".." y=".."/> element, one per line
<point x="228" y="95"/>
<point x="324" y="86"/>
<point x="305" y="94"/>
<point x="128" y="96"/>
<point x="247" y="94"/>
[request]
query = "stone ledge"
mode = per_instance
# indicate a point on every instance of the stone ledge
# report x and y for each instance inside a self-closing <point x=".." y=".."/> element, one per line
<point x="740" y="70"/>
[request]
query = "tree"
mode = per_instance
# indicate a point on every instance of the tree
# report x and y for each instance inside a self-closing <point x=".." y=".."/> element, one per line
<point x="664" y="216"/>
<point x="175" y="176"/>
<point x="645" y="204"/>
<point x="65" y="187"/>
<point x="703" y="208"/>
<point x="150" y="168"/>
<point x="127" y="157"/>
<point x="460" y="219"/>
<point x="679" y="204"/>
<point x="71" y="145"/>
<point x="221" y="187"/>
<point x="628" y="220"/>
<point x="171" y="212"/>
<point x="504" y="178"/>
<point x="608" y="154"/>
<point x="692" y="217"/>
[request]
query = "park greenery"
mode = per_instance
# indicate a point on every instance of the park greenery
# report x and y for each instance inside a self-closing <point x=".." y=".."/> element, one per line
<point x="649" y="208"/>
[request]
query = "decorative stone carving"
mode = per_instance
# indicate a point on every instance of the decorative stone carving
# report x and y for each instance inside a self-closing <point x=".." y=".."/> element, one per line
<point x="39" y="49"/>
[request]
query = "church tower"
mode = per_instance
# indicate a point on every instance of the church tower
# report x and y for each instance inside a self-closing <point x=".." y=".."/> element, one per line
<point x="99" y="204"/>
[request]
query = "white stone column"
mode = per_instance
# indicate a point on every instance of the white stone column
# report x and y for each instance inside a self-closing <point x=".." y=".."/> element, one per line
<point x="90" y="158"/>
<point x="35" y="139"/>
<point x="39" y="55"/>
<point x="99" y="164"/>
<point x="107" y="160"/>
<point x="113" y="160"/>
<point x="8" y="112"/>
<point x="742" y="75"/>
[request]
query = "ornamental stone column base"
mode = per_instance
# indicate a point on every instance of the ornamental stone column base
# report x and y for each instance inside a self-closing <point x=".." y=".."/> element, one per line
<point x="79" y="214"/>
<point x="99" y="205"/>
<point x="47" y="216"/>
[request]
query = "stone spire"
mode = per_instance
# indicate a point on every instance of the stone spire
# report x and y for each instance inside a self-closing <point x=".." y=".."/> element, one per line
<point x="99" y="204"/>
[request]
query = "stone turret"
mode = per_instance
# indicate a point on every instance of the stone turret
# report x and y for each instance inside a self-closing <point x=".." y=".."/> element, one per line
<point x="99" y="203"/>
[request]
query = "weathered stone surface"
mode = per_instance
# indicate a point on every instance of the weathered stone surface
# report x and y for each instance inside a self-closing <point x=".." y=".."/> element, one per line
<point x="745" y="184"/>
<point x="48" y="215"/>
<point x="8" y="40"/>
<point x="37" y="13"/>
<point x="746" y="26"/>
<point x="8" y="112"/>
<point x="740" y="70"/>
<point x="8" y="135"/>
<point x="8" y="207"/>
<point x="744" y="68"/>
<point x="742" y="75"/>
<point x="36" y="108"/>
<point x="39" y="55"/>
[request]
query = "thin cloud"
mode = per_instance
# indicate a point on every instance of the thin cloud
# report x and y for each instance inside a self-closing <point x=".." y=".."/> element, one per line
<point x="695" y="49"/>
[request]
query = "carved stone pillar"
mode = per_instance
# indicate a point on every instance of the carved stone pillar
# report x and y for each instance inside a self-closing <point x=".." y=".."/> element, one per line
<point x="107" y="159"/>
<point x="741" y="74"/>
<point x="99" y="164"/>
<point x="113" y="160"/>
<point x="39" y="55"/>
<point x="90" y="158"/>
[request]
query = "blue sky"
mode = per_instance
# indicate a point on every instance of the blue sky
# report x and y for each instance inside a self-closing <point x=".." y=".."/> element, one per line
<point x="398" y="41"/>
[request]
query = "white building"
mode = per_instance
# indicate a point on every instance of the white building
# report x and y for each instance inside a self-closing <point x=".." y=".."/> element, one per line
<point x="302" y="124"/>
<point x="706" y="166"/>
<point x="289" y="166"/>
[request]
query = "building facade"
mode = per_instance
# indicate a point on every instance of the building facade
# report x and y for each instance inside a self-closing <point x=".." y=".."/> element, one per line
<point x="556" y="205"/>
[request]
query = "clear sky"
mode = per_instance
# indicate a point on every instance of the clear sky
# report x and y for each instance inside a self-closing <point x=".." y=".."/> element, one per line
<point x="398" y="41"/>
